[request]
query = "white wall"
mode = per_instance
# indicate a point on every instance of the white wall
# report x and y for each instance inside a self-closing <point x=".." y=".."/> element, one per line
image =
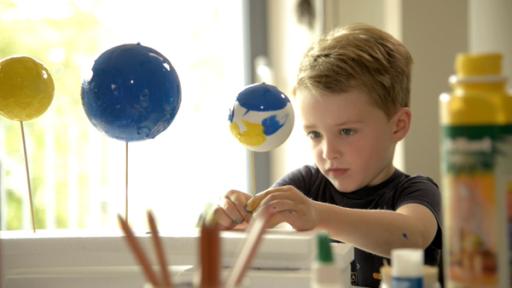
<point x="434" y="31"/>
<point x="288" y="43"/>
<point x="489" y="30"/>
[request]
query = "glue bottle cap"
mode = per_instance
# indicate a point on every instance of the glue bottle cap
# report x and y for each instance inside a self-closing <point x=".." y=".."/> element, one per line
<point x="407" y="262"/>
<point x="324" y="254"/>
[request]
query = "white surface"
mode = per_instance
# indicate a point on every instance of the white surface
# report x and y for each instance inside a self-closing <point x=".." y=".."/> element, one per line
<point x="127" y="277"/>
<point x="85" y="260"/>
<point x="330" y="275"/>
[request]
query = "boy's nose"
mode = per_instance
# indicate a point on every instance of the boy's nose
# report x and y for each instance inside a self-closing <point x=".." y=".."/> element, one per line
<point x="330" y="150"/>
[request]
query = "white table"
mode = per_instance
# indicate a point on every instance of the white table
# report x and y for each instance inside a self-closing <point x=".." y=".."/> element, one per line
<point x="85" y="260"/>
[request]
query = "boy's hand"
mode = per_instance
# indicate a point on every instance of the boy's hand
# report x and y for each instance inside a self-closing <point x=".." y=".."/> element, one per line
<point x="287" y="204"/>
<point x="232" y="213"/>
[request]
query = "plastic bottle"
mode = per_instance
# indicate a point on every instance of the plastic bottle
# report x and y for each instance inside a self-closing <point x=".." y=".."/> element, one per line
<point x="407" y="268"/>
<point x="476" y="149"/>
<point x="430" y="277"/>
<point x="325" y="273"/>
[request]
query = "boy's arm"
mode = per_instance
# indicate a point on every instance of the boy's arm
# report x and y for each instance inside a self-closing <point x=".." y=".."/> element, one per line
<point x="378" y="231"/>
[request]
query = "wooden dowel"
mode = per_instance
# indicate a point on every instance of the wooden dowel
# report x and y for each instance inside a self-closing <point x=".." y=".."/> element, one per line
<point x="27" y="170"/>
<point x="126" y="182"/>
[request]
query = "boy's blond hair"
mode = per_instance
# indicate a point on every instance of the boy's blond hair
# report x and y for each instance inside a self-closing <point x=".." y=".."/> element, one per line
<point x="359" y="57"/>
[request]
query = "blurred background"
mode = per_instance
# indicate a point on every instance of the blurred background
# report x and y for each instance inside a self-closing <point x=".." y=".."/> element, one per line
<point x="217" y="47"/>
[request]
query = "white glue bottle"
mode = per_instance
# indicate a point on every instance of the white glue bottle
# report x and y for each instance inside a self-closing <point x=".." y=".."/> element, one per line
<point x="325" y="273"/>
<point x="407" y="268"/>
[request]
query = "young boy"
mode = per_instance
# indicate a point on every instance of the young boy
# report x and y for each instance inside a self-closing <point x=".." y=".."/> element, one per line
<point x="353" y="95"/>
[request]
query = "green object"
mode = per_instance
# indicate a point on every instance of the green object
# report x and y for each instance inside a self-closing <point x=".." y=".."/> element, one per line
<point x="324" y="252"/>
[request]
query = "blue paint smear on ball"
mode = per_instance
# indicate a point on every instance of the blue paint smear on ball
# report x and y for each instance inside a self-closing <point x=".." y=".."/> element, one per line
<point x="272" y="125"/>
<point x="262" y="97"/>
<point x="134" y="93"/>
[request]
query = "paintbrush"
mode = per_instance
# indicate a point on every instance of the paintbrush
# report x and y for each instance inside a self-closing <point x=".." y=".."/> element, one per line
<point x="253" y="203"/>
<point x="209" y="251"/>
<point x="138" y="253"/>
<point x="165" y="276"/>
<point x="255" y="232"/>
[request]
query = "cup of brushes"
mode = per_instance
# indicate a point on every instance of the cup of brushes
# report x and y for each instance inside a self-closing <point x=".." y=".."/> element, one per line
<point x="209" y="272"/>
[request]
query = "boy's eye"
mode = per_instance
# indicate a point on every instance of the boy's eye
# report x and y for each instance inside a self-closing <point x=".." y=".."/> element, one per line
<point x="347" y="131"/>
<point x="313" y="134"/>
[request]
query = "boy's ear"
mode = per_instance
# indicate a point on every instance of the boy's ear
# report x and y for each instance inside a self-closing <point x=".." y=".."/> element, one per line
<point x="401" y="123"/>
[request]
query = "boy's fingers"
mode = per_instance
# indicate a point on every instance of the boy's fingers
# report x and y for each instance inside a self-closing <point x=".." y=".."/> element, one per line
<point x="223" y="219"/>
<point x="280" y="205"/>
<point x="256" y="200"/>
<point x="234" y="211"/>
<point x="273" y="196"/>
<point x="253" y="203"/>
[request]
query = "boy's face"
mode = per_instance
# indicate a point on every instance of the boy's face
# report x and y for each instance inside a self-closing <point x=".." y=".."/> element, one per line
<point x="352" y="140"/>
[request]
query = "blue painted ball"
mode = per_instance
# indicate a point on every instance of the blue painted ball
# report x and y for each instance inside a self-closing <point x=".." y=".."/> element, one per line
<point x="262" y="117"/>
<point x="134" y="93"/>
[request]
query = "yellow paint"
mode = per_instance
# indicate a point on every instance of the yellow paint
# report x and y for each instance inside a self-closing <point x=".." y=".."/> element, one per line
<point x="26" y="88"/>
<point x="251" y="136"/>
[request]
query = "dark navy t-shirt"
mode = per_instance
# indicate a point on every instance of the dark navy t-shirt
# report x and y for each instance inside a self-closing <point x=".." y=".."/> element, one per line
<point x="396" y="191"/>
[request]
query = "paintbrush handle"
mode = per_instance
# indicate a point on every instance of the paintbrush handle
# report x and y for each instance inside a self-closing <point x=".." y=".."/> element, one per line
<point x="160" y="254"/>
<point x="255" y="232"/>
<point x="138" y="252"/>
<point x="253" y="203"/>
<point x="210" y="255"/>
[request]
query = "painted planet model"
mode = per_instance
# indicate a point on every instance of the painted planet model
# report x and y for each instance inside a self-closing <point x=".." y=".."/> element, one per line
<point x="26" y="88"/>
<point x="262" y="117"/>
<point x="134" y="93"/>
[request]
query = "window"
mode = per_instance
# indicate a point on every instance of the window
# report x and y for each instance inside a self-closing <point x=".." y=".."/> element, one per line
<point x="78" y="173"/>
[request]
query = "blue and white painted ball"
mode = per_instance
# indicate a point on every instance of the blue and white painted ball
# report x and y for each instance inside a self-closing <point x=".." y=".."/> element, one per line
<point x="134" y="93"/>
<point x="262" y="117"/>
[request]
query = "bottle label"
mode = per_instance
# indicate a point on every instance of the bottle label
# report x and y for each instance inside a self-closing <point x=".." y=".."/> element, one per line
<point x="398" y="282"/>
<point x="477" y="190"/>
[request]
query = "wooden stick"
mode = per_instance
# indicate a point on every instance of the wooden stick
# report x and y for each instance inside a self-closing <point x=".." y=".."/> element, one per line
<point x="159" y="249"/>
<point x="126" y="182"/>
<point x="138" y="252"/>
<point x="32" y="213"/>
<point x="253" y="204"/>
<point x="255" y="232"/>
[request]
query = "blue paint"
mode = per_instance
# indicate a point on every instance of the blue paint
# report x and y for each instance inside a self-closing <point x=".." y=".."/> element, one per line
<point x="262" y="97"/>
<point x="271" y="125"/>
<point x="134" y="93"/>
<point x="407" y="282"/>
<point x="231" y="114"/>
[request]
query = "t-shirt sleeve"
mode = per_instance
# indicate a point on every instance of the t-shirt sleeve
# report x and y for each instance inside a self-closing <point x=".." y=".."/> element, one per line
<point x="421" y="190"/>
<point x="424" y="191"/>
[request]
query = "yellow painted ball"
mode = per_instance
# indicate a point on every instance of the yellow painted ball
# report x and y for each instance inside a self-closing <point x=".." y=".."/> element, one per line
<point x="26" y="88"/>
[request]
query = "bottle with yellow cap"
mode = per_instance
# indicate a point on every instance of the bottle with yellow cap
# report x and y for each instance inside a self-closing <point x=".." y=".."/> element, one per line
<point x="476" y="149"/>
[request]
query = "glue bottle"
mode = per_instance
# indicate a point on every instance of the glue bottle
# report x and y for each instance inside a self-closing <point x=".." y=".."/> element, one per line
<point x="400" y="274"/>
<point x="407" y="268"/>
<point x="325" y="273"/>
<point x="476" y="152"/>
